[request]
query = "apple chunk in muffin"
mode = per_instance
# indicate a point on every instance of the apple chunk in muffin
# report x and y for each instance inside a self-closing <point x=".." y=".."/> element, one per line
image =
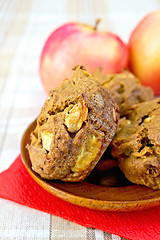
<point x="75" y="126"/>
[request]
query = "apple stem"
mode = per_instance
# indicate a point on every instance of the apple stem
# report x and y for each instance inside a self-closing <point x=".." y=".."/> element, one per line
<point x="96" y="24"/>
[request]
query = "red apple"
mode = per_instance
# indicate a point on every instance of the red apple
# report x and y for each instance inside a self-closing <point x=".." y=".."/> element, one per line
<point x="76" y="43"/>
<point x="144" y="51"/>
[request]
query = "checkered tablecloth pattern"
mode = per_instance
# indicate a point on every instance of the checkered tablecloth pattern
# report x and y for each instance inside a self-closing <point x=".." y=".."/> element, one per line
<point x="24" y="27"/>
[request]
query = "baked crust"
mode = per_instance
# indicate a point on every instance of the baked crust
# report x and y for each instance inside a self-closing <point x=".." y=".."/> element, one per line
<point x="75" y="126"/>
<point x="137" y="144"/>
<point x="124" y="88"/>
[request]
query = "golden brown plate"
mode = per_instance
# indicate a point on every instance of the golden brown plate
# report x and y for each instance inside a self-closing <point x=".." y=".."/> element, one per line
<point x="90" y="195"/>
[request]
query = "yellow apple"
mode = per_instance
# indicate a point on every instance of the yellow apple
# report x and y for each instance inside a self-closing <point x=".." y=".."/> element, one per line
<point x="144" y="51"/>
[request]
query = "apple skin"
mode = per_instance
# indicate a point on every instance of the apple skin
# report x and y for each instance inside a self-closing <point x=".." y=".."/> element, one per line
<point x="80" y="44"/>
<point x="144" y="51"/>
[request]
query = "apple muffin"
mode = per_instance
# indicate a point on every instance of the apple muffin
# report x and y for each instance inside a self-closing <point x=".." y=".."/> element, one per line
<point x="124" y="88"/>
<point x="75" y="126"/>
<point x="136" y="144"/>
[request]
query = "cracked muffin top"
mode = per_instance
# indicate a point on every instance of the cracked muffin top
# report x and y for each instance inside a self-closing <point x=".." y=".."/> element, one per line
<point x="137" y="144"/>
<point x="75" y="126"/>
<point x="124" y="88"/>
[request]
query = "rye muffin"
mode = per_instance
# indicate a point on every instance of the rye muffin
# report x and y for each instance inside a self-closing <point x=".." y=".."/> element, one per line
<point x="124" y="88"/>
<point x="136" y="144"/>
<point x="75" y="126"/>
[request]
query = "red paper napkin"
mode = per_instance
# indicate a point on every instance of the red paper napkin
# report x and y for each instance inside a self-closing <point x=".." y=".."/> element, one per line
<point x="17" y="185"/>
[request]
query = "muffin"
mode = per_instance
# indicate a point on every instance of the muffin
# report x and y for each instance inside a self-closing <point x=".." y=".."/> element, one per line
<point x="75" y="126"/>
<point x="124" y="88"/>
<point x="136" y="144"/>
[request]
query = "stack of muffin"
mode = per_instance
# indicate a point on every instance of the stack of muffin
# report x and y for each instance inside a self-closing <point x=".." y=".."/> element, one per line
<point x="87" y="118"/>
